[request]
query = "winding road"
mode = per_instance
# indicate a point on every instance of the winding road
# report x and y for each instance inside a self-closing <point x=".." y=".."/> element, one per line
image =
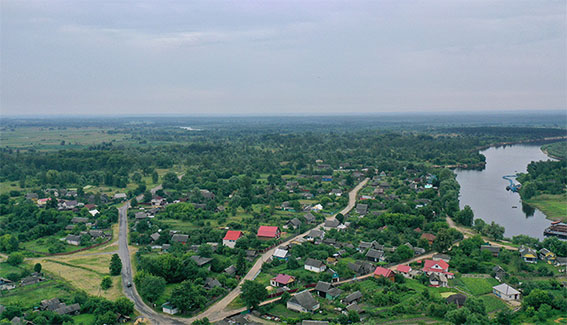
<point x="219" y="310"/>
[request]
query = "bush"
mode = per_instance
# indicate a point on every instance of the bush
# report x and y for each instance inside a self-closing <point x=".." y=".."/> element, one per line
<point x="106" y="283"/>
<point x="15" y="259"/>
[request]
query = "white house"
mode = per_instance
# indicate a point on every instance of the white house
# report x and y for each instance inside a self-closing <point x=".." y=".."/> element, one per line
<point x="280" y="253"/>
<point x="314" y="265"/>
<point x="317" y="208"/>
<point x="506" y="292"/>
<point x="168" y="308"/>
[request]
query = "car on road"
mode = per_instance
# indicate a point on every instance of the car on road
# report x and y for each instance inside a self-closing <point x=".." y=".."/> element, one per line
<point x="129" y="284"/>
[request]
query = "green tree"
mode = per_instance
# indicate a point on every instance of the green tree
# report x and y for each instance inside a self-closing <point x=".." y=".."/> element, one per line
<point x="106" y="283"/>
<point x="241" y="263"/>
<point x="204" y="321"/>
<point x="465" y="216"/>
<point x="155" y="177"/>
<point x="124" y="306"/>
<point x="149" y="286"/>
<point x="115" y="265"/>
<point x="443" y="241"/>
<point x="538" y="297"/>
<point x="188" y="296"/>
<point x="37" y="268"/>
<point x="253" y="293"/>
<point x="107" y="318"/>
<point x="15" y="259"/>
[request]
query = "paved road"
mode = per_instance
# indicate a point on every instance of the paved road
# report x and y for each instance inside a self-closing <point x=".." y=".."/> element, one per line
<point x="131" y="292"/>
<point x="219" y="310"/>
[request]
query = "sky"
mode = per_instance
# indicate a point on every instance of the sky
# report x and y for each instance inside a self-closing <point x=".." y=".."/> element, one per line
<point x="281" y="57"/>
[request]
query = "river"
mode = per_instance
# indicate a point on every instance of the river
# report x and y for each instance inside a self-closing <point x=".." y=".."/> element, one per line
<point x="485" y="191"/>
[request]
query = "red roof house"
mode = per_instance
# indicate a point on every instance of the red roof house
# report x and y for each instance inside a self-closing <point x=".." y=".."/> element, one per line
<point x="430" y="237"/>
<point x="231" y="237"/>
<point x="268" y="232"/>
<point x="282" y="280"/>
<point x="404" y="268"/>
<point x="384" y="272"/>
<point x="440" y="266"/>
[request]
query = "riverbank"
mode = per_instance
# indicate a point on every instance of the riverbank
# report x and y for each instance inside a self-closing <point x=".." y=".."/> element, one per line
<point x="553" y="206"/>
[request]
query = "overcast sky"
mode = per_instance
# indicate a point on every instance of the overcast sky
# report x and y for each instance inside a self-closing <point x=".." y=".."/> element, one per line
<point x="281" y="57"/>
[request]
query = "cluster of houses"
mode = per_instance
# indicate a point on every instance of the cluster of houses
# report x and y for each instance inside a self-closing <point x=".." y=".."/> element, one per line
<point x="530" y="255"/>
<point x="6" y="284"/>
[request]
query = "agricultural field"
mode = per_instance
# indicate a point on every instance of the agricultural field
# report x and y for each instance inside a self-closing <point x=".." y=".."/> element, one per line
<point x="476" y="286"/>
<point x="51" y="139"/>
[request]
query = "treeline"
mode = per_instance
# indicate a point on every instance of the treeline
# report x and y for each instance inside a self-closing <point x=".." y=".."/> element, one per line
<point x="544" y="177"/>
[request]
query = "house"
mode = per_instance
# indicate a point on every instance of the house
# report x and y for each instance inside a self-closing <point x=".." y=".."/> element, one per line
<point x="431" y="266"/>
<point x="380" y="272"/>
<point x="309" y="217"/>
<point x="303" y="302"/>
<point x="331" y="224"/>
<point x="282" y="280"/>
<point x="168" y="308"/>
<point x="141" y="216"/>
<point x="250" y="254"/>
<point x="280" y="253"/>
<point x="494" y="251"/>
<point x="560" y="261"/>
<point x="499" y="273"/>
<point x="315" y="234"/>
<point x="529" y="255"/>
<point x="96" y="233"/>
<point x="404" y="270"/>
<point x="6" y="284"/>
<point x="326" y="290"/>
<point x="32" y="279"/>
<point x="546" y="255"/>
<point x="458" y="299"/>
<point x="336" y="192"/>
<point x="211" y="283"/>
<point x="429" y="237"/>
<point x="94" y="212"/>
<point x="50" y="304"/>
<point x="353" y="297"/>
<point x="361" y="268"/>
<point x="201" y="260"/>
<point x="73" y="240"/>
<point x="231" y="237"/>
<point x="179" y="238"/>
<point x="207" y="194"/>
<point x="317" y="208"/>
<point x="314" y="265"/>
<point x="334" y="275"/>
<point x="286" y="206"/>
<point x="438" y="280"/>
<point x="120" y="196"/>
<point x="327" y="178"/>
<point x="361" y="209"/>
<point x="73" y="309"/>
<point x="155" y="236"/>
<point x="375" y="255"/>
<point x="506" y="292"/>
<point x="79" y="220"/>
<point x="441" y="257"/>
<point x="231" y="270"/>
<point x="293" y="223"/>
<point x="363" y="245"/>
<point x="268" y="232"/>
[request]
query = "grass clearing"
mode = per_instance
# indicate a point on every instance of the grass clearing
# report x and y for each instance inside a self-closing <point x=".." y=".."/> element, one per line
<point x="477" y="286"/>
<point x="493" y="303"/>
<point x="84" y="272"/>
<point x="32" y="295"/>
<point x="84" y="319"/>
<point x="553" y="206"/>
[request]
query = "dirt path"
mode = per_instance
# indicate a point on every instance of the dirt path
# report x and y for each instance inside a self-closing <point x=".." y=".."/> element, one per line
<point x="467" y="233"/>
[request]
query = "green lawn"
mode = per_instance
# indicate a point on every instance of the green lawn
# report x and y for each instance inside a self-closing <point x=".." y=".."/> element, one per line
<point x="6" y="268"/>
<point x="84" y="319"/>
<point x="477" y="286"/>
<point x="39" y="245"/>
<point x="32" y="295"/>
<point x="553" y="206"/>
<point x="493" y="303"/>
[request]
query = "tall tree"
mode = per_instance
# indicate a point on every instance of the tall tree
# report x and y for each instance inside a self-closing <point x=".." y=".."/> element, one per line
<point x="115" y="265"/>
<point x="253" y="293"/>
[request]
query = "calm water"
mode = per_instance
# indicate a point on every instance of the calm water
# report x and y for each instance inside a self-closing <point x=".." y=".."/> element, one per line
<point x="485" y="191"/>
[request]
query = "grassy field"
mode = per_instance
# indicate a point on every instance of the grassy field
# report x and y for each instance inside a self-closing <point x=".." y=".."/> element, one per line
<point x="45" y="139"/>
<point x="553" y="206"/>
<point x="6" y="268"/>
<point x="493" y="303"/>
<point x="32" y="295"/>
<point x="557" y="150"/>
<point x="477" y="286"/>
<point x="84" y="319"/>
